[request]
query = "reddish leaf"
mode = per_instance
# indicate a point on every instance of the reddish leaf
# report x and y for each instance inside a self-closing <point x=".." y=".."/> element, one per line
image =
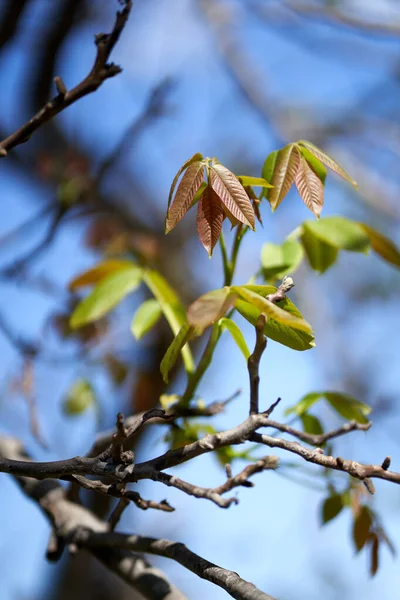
<point x="210" y="216"/>
<point x="232" y="194"/>
<point x="190" y="183"/>
<point x="328" y="161"/>
<point x="382" y="245"/>
<point x="210" y="307"/>
<point x="361" y="527"/>
<point x="195" y="158"/>
<point x="310" y="187"/>
<point x="373" y="541"/>
<point x="285" y="169"/>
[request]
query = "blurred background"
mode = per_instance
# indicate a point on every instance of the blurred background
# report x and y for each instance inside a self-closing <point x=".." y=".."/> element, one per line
<point x="228" y="78"/>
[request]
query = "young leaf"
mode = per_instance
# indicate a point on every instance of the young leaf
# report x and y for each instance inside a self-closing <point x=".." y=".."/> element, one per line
<point x="311" y="424"/>
<point x="195" y="158"/>
<point x="382" y="245"/>
<point x="302" y="406"/>
<point x="210" y="216"/>
<point x="210" y="307"/>
<point x="232" y="194"/>
<point x="237" y="335"/>
<point x="107" y="294"/>
<point x="268" y="171"/>
<point x="292" y="338"/>
<point x="171" y="307"/>
<point x="145" y="317"/>
<point x="331" y="508"/>
<point x="98" y="273"/>
<point x="280" y="260"/>
<point x="348" y="407"/>
<point x="339" y="232"/>
<point x="79" y="397"/>
<point x="373" y="541"/>
<point x="285" y="169"/>
<point x="320" y="255"/>
<point x="314" y="163"/>
<point x="254" y="181"/>
<point x="272" y="310"/>
<point x="310" y="187"/>
<point x="174" y="349"/>
<point x="361" y="527"/>
<point x="190" y="183"/>
<point x="327" y="161"/>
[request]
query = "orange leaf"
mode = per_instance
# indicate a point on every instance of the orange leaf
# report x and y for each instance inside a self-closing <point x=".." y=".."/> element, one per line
<point x="232" y="194"/>
<point x="310" y="187"/>
<point x="210" y="216"/>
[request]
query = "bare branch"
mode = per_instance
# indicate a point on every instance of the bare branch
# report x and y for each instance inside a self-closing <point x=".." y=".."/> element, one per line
<point x="100" y="71"/>
<point x="227" y="580"/>
<point x="322" y="438"/>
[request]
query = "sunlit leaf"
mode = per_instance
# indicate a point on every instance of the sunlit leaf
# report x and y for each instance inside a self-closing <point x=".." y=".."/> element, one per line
<point x="79" y="397"/>
<point x="254" y="181"/>
<point x="285" y="169"/>
<point x="328" y="161"/>
<point x="361" y="527"/>
<point x="106" y="294"/>
<point x="339" y="232"/>
<point x="195" y="158"/>
<point x="210" y="307"/>
<point x="320" y="255"/>
<point x="348" y="407"/>
<point x="310" y="187"/>
<point x="145" y="317"/>
<point x="171" y="307"/>
<point x="98" y="273"/>
<point x="172" y="353"/>
<point x="302" y="406"/>
<point x="331" y="507"/>
<point x="232" y="194"/>
<point x="210" y="216"/>
<point x="314" y="163"/>
<point x="268" y="171"/>
<point x="382" y="245"/>
<point x="272" y="310"/>
<point x="280" y="260"/>
<point x="187" y="188"/>
<point x="237" y="335"/>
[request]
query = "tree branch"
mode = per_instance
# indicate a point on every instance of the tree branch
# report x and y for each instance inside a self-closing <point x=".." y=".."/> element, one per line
<point x="227" y="580"/>
<point x="100" y="71"/>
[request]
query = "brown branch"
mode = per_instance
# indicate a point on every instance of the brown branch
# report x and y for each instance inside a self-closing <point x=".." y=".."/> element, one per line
<point x="322" y="438"/>
<point x="100" y="71"/>
<point x="66" y="517"/>
<point x="227" y="580"/>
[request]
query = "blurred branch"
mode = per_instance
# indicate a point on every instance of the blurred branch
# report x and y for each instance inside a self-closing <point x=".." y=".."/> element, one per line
<point x="9" y="23"/>
<point x="100" y="71"/>
<point x="227" y="580"/>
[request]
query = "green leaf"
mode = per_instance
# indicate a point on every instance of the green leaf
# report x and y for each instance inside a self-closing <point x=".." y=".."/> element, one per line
<point x="348" y="407"/>
<point x="254" y="181"/>
<point x="331" y="507"/>
<point x="272" y="310"/>
<point x="302" y="406"/>
<point x="314" y="163"/>
<point x="237" y="335"/>
<point x="172" y="353"/>
<point x="97" y="273"/>
<point x="340" y="233"/>
<point x="145" y="317"/>
<point x="285" y="169"/>
<point x="297" y="340"/>
<point x="320" y="255"/>
<point x="268" y="170"/>
<point x="171" y="307"/>
<point x="107" y="294"/>
<point x="210" y="307"/>
<point x="280" y="260"/>
<point x="382" y="245"/>
<point x="311" y="424"/>
<point x="79" y="398"/>
<point x="361" y="527"/>
<point x="328" y="161"/>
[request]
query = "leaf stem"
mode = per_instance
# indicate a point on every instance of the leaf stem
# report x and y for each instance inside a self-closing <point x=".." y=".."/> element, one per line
<point x="225" y="261"/>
